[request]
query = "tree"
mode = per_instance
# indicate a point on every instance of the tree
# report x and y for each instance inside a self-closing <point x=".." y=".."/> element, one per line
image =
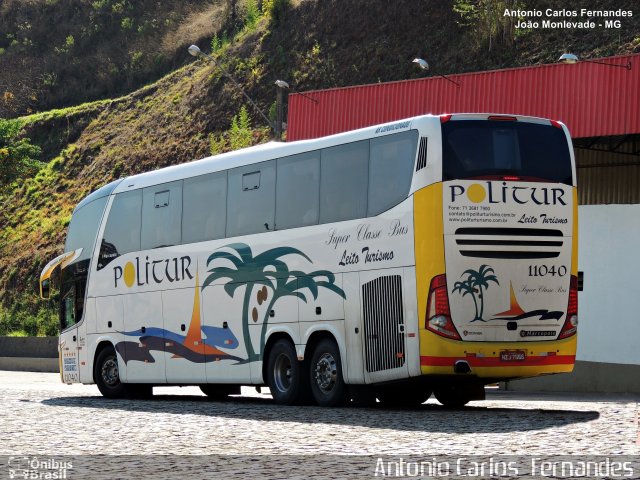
<point x="269" y="271"/>
<point x="487" y="19"/>
<point x="18" y="157"/>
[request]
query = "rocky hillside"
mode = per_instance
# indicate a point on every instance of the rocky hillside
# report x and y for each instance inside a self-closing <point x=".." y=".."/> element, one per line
<point x="311" y="44"/>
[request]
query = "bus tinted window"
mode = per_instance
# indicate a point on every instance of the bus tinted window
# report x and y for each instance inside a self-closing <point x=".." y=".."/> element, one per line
<point x="298" y="193"/>
<point x="251" y="196"/>
<point x="83" y="228"/>
<point x="343" y="182"/>
<point x="204" y="212"/>
<point x="477" y="148"/>
<point x="390" y="170"/>
<point x="122" y="233"/>
<point x="161" y="215"/>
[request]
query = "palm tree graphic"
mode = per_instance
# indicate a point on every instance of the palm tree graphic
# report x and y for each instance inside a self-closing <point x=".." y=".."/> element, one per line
<point x="465" y="288"/>
<point x="476" y="283"/>
<point x="269" y="271"/>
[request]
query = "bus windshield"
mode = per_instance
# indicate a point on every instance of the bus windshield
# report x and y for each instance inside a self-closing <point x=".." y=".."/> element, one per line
<point x="82" y="234"/>
<point x="486" y="148"/>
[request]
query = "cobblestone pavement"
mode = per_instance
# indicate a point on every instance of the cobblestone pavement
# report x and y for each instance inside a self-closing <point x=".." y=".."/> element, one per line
<point x="40" y="416"/>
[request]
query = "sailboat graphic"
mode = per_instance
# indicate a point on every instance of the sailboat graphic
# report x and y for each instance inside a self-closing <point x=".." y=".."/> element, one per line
<point x="516" y="312"/>
<point x="214" y="336"/>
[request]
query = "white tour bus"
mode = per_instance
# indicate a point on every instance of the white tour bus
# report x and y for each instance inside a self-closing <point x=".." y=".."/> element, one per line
<point x="433" y="254"/>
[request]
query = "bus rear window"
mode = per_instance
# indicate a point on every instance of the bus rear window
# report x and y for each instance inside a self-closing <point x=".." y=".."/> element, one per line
<point x="485" y="148"/>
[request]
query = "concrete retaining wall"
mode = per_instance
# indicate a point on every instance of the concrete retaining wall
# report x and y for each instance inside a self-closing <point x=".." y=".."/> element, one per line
<point x="586" y="377"/>
<point x="29" y="354"/>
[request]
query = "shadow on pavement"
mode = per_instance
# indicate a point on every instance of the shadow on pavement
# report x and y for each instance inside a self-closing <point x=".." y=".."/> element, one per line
<point x="427" y="417"/>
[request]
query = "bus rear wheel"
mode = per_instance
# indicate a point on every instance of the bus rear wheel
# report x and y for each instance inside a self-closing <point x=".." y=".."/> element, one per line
<point x="286" y="376"/>
<point x="457" y="396"/>
<point x="107" y="375"/>
<point x="327" y="385"/>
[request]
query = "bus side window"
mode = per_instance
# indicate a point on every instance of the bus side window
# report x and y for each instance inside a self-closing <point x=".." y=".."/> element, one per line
<point x="122" y="232"/>
<point x="204" y="207"/>
<point x="251" y="198"/>
<point x="390" y="170"/>
<point x="161" y="215"/>
<point x="343" y="182"/>
<point x="298" y="190"/>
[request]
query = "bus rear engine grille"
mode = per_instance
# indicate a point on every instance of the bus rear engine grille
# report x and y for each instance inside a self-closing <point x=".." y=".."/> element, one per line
<point x="383" y="323"/>
<point x="509" y="243"/>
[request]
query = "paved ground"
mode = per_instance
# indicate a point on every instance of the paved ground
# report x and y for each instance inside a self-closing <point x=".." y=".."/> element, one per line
<point x="40" y="416"/>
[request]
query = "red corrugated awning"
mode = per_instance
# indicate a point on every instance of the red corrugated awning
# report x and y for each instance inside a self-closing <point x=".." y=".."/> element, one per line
<point x="592" y="100"/>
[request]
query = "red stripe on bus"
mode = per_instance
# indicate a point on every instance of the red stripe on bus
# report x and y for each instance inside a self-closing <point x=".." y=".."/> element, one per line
<point x="496" y="362"/>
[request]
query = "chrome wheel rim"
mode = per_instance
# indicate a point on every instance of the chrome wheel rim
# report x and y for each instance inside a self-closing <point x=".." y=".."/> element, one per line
<point x="110" y="374"/>
<point x="282" y="373"/>
<point x="326" y="372"/>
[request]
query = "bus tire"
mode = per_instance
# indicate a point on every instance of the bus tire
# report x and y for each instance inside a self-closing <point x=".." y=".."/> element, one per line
<point x="403" y="396"/>
<point x="219" y="392"/>
<point x="327" y="385"/>
<point x="452" y="397"/>
<point x="107" y="375"/>
<point x="286" y="376"/>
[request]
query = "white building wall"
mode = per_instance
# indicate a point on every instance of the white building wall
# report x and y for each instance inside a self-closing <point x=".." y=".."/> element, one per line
<point x="609" y="305"/>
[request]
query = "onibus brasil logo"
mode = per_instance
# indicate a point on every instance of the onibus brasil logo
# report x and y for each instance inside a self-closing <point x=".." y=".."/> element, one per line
<point x="38" y="468"/>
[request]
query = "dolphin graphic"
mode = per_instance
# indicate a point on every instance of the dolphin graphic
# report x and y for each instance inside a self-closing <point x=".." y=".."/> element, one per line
<point x="216" y="337"/>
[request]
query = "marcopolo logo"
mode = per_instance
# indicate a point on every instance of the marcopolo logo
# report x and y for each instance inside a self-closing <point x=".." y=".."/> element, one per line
<point x="503" y="193"/>
<point x="141" y="273"/>
<point x="537" y="333"/>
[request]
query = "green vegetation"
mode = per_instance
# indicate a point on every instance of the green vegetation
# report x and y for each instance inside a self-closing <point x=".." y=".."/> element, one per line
<point x="486" y="20"/>
<point x="18" y="157"/>
<point x="240" y="135"/>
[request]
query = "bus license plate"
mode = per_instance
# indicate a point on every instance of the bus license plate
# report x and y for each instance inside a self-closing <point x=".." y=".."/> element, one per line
<point x="513" y="355"/>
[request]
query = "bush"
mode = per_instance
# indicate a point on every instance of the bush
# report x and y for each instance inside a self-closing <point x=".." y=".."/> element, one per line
<point x="240" y="134"/>
<point x="275" y="10"/>
<point x="251" y="14"/>
<point x="18" y="157"/>
<point x="28" y="319"/>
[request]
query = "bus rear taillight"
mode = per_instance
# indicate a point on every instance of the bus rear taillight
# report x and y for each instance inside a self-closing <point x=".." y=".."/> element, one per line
<point x="438" y="318"/>
<point x="571" y="323"/>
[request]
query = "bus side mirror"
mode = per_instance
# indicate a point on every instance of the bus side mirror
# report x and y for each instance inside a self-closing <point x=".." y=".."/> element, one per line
<point x="45" y="289"/>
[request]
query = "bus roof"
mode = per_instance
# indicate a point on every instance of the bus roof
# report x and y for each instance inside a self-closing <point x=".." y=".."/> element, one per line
<point x="272" y="150"/>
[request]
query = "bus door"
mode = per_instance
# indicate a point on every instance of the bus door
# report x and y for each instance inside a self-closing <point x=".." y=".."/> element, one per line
<point x="70" y="313"/>
<point x="383" y="325"/>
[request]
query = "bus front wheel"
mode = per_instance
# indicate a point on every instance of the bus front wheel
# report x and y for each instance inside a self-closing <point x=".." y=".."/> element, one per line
<point x="327" y="384"/>
<point x="286" y="376"/>
<point x="107" y="375"/>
